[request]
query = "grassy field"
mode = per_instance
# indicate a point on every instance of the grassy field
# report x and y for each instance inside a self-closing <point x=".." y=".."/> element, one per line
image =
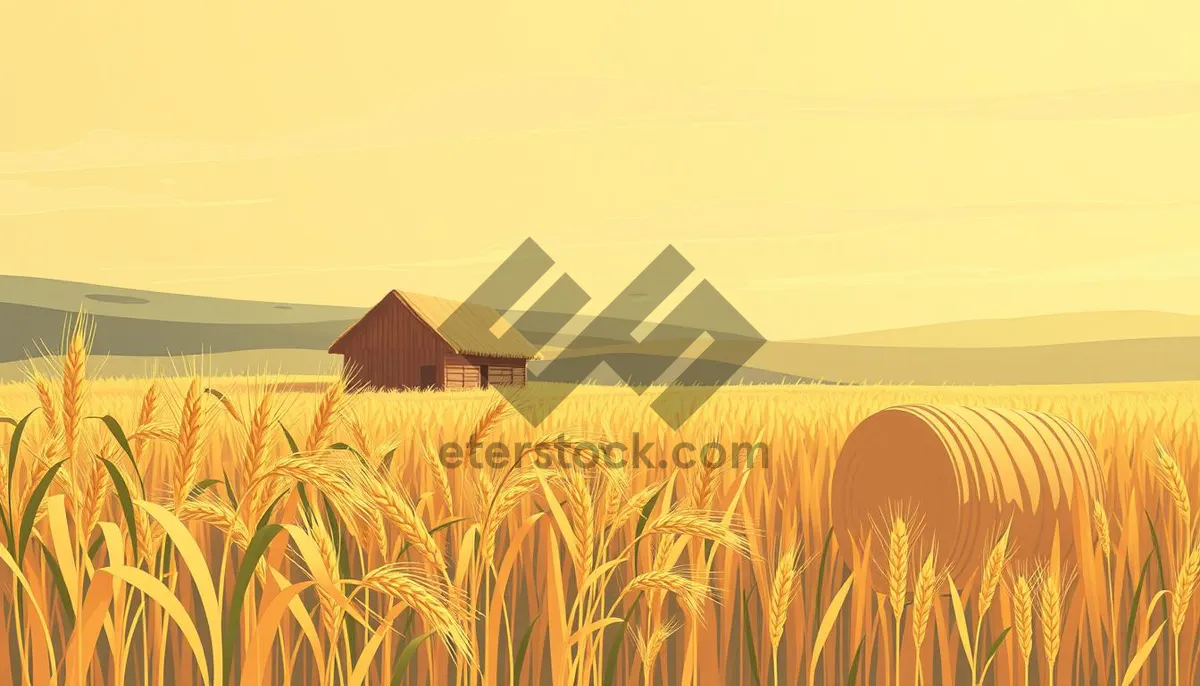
<point x="156" y="531"/>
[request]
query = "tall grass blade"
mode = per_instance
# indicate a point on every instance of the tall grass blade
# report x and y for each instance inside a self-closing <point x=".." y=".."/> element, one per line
<point x="385" y="464"/>
<point x="1133" y="604"/>
<point x="960" y="621"/>
<point x="522" y="649"/>
<point x="254" y="552"/>
<point x="8" y="530"/>
<point x="266" y="515"/>
<point x="229" y="493"/>
<point x="292" y="445"/>
<point x="197" y="567"/>
<point x="643" y="519"/>
<point x="31" y="508"/>
<point x="60" y="584"/>
<point x="852" y="675"/>
<point x="159" y="593"/>
<point x="1162" y="572"/>
<point x="826" y="627"/>
<point x="408" y="653"/>
<point x="991" y="653"/>
<point x="821" y="577"/>
<point x="748" y="638"/>
<point x="1143" y="654"/>
<point x="118" y="434"/>
<point x="14" y="449"/>
<point x="126" y="501"/>
<point x="610" y="662"/>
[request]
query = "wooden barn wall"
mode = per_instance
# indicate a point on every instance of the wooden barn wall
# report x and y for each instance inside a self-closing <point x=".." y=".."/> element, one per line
<point x="509" y="371"/>
<point x="389" y="347"/>
<point x="460" y="372"/>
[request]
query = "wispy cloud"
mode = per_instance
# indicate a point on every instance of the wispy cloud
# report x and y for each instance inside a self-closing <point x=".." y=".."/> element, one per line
<point x="1145" y="268"/>
<point x="242" y="272"/>
<point x="541" y="108"/>
<point x="799" y="223"/>
<point x="21" y="198"/>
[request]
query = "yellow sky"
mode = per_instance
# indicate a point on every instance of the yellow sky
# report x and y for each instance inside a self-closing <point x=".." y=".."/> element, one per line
<point x="831" y="167"/>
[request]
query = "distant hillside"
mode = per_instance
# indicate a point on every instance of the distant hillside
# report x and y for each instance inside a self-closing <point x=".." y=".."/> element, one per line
<point x="34" y="313"/>
<point x="1148" y="359"/>
<point x="127" y="303"/>
<point x="139" y="331"/>
<point x="1074" y="327"/>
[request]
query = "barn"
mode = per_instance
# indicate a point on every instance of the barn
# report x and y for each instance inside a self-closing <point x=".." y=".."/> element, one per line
<point x="397" y="345"/>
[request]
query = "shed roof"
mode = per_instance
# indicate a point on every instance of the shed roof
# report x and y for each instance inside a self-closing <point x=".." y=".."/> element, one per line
<point x="469" y="334"/>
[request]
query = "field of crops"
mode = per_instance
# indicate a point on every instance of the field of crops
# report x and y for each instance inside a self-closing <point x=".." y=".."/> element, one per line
<point x="250" y="530"/>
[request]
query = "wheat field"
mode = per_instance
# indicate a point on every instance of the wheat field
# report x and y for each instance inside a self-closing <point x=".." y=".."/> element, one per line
<point x="260" y="530"/>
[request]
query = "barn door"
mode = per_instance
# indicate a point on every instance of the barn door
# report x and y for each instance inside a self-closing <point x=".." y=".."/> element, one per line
<point x="483" y="376"/>
<point x="428" y="376"/>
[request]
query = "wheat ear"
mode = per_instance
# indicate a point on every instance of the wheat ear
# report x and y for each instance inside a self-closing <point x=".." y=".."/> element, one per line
<point x="1050" y="614"/>
<point x="187" y="464"/>
<point x="1022" y="602"/>
<point x="690" y="594"/>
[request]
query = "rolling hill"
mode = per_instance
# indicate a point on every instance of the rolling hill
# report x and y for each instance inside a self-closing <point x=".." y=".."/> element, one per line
<point x="1052" y="329"/>
<point x="141" y="331"/>
<point x="130" y="323"/>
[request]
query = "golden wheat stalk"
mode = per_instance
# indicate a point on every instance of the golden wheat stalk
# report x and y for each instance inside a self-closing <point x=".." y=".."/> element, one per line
<point x="1050" y="608"/>
<point x="662" y="554"/>
<point x="519" y="485"/>
<point x="1185" y="586"/>
<point x="898" y="551"/>
<point x="924" y="591"/>
<point x="433" y="461"/>
<point x="230" y="409"/>
<point x="149" y="407"/>
<point x="897" y="565"/>
<point x="490" y="419"/>
<point x="993" y="569"/>
<point x="397" y="510"/>
<point x="187" y="463"/>
<point x="1171" y="476"/>
<point x="784" y="587"/>
<point x="328" y="410"/>
<point x="616" y="494"/>
<point x="436" y="610"/>
<point x="331" y="613"/>
<point x="698" y="524"/>
<point x="46" y="403"/>
<point x="218" y="514"/>
<point x="52" y="443"/>
<point x="149" y="534"/>
<point x="359" y="435"/>
<point x="1104" y="540"/>
<point x="258" y="438"/>
<point x="582" y="509"/>
<point x="1103" y="533"/>
<point x="650" y="646"/>
<point x="1022" y="609"/>
<point x="51" y="446"/>
<point x="691" y="595"/>
<point x="150" y="432"/>
<point x="704" y="486"/>
<point x="73" y="388"/>
<point x="337" y="475"/>
<point x="96" y="487"/>
<point x="635" y="503"/>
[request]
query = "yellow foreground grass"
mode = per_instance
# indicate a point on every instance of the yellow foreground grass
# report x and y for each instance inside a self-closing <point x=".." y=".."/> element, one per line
<point x="393" y="569"/>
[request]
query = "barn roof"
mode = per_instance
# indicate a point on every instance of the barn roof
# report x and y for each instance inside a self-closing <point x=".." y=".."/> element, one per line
<point x="470" y="335"/>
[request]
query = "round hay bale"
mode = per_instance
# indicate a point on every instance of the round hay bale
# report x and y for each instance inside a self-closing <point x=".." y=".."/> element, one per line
<point x="963" y="473"/>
